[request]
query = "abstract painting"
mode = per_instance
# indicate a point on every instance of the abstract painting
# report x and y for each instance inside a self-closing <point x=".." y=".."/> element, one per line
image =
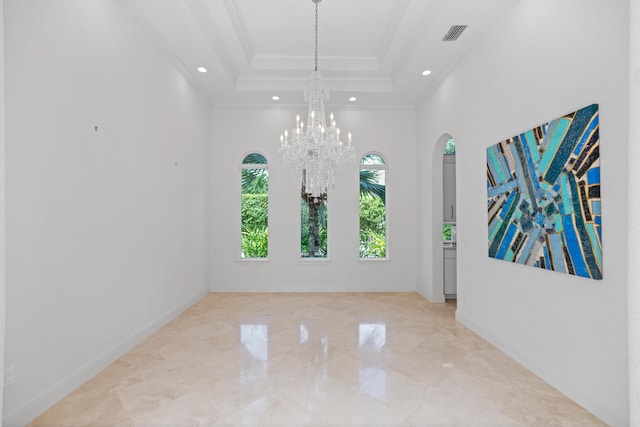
<point x="543" y="196"/>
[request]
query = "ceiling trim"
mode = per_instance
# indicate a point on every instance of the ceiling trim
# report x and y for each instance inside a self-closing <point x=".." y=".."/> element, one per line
<point x="338" y="83"/>
<point x="239" y="27"/>
<point x="131" y="9"/>
<point x="201" y="14"/>
<point x="397" y="15"/>
<point x="335" y="107"/>
<point x="307" y="63"/>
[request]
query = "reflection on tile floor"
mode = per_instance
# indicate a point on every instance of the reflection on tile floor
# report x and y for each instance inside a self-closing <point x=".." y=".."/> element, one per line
<point x="346" y="359"/>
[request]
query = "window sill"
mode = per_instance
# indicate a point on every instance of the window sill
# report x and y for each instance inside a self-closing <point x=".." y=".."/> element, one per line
<point x="313" y="260"/>
<point x="374" y="260"/>
<point x="252" y="260"/>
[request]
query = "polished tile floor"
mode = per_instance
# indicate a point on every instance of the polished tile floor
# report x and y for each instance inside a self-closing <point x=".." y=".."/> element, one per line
<point x="346" y="359"/>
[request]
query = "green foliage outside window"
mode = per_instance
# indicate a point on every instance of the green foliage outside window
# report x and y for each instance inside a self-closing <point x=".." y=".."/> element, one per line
<point x="255" y="242"/>
<point x="254" y="209"/>
<point x="255" y="231"/>
<point x="373" y="211"/>
<point x="373" y="227"/>
<point x="255" y="181"/>
<point x="446" y="232"/>
<point x="450" y="148"/>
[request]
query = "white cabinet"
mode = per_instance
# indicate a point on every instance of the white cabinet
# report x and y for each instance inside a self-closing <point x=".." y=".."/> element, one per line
<point x="449" y="188"/>
<point x="450" y="288"/>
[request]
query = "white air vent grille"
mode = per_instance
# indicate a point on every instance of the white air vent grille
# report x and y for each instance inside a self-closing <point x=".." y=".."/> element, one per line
<point x="453" y="33"/>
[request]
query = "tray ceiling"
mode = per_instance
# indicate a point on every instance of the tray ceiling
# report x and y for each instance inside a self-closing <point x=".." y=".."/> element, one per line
<point x="254" y="49"/>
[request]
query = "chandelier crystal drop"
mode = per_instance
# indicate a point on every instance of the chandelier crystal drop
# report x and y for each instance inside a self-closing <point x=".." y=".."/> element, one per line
<point x="314" y="149"/>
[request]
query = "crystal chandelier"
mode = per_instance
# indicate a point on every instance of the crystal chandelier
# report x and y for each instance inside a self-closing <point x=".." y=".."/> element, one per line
<point x="314" y="150"/>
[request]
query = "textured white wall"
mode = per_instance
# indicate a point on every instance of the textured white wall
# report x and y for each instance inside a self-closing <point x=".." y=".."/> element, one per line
<point x="543" y="59"/>
<point x="106" y="229"/>
<point x="633" y="281"/>
<point x="3" y="283"/>
<point x="237" y="132"/>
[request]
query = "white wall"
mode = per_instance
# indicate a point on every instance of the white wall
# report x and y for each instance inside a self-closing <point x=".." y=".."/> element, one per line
<point x="544" y="59"/>
<point x="633" y="268"/>
<point x="3" y="277"/>
<point x="237" y="132"/>
<point x="106" y="228"/>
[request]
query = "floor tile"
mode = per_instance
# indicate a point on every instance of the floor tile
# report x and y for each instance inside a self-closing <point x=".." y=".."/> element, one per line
<point x="306" y="359"/>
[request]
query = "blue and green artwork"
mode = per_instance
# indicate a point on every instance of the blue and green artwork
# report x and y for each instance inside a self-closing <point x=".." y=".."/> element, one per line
<point x="543" y="196"/>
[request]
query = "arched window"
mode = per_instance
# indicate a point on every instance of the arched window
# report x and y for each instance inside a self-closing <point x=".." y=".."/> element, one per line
<point x="373" y="207"/>
<point x="255" y="207"/>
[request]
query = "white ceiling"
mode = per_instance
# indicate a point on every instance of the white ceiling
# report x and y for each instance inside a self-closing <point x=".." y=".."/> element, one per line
<point x="373" y="50"/>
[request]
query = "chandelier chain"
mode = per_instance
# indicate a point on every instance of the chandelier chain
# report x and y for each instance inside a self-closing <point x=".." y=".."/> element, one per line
<point x="316" y="36"/>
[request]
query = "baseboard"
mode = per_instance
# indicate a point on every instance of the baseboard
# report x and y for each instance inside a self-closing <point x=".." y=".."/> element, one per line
<point x="33" y="408"/>
<point x="555" y="379"/>
<point x="430" y="298"/>
<point x="265" y="288"/>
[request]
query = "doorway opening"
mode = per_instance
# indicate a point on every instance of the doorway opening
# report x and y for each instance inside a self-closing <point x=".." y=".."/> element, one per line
<point x="443" y="219"/>
<point x="449" y="279"/>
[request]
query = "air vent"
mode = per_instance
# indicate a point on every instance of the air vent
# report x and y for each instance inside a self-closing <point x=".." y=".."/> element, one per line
<point x="453" y="33"/>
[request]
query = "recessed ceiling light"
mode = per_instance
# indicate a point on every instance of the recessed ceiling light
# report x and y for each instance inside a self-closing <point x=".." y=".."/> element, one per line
<point x="202" y="69"/>
<point x="353" y="98"/>
<point x="426" y="72"/>
<point x="275" y="97"/>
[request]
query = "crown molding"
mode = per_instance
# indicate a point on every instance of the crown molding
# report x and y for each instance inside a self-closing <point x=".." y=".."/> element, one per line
<point x="338" y="83"/>
<point x="132" y="9"/>
<point x="397" y="15"/>
<point x="239" y="27"/>
<point x="202" y="16"/>
<point x="261" y="62"/>
<point x="294" y="107"/>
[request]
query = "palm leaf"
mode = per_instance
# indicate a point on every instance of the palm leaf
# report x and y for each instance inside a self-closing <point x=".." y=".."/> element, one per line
<point x="369" y="185"/>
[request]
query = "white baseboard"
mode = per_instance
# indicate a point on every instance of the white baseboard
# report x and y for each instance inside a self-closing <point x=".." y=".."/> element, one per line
<point x="437" y="300"/>
<point x="311" y="288"/>
<point x="550" y="376"/>
<point x="33" y="408"/>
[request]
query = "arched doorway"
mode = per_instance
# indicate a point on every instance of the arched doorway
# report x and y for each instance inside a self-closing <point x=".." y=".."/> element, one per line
<point x="440" y="227"/>
<point x="449" y="219"/>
